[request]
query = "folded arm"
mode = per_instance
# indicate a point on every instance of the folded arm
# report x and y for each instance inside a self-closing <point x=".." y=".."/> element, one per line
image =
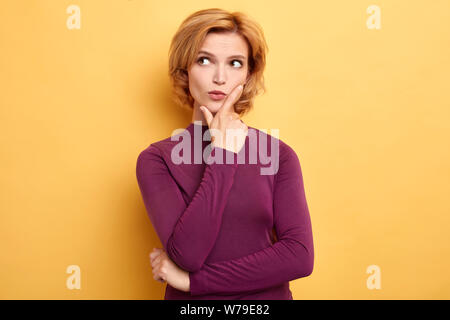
<point x="187" y="231"/>
<point x="291" y="257"/>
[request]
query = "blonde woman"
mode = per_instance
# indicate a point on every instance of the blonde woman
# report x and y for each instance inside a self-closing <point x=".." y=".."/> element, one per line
<point x="229" y="230"/>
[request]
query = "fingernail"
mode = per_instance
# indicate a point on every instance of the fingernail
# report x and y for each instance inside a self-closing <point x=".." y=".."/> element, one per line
<point x="241" y="87"/>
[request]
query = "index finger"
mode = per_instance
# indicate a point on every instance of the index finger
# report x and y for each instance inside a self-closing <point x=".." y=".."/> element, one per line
<point x="231" y="99"/>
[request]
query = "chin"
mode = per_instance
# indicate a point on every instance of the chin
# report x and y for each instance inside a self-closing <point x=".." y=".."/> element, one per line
<point x="213" y="106"/>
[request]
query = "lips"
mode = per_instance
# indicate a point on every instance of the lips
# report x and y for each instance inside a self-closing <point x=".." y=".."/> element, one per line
<point x="216" y="96"/>
<point x="217" y="92"/>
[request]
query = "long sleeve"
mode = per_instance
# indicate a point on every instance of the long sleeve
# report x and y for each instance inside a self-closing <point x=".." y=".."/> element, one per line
<point x="291" y="257"/>
<point x="187" y="231"/>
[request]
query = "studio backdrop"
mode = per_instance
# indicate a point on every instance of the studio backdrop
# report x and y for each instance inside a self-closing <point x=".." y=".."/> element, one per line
<point x="359" y="89"/>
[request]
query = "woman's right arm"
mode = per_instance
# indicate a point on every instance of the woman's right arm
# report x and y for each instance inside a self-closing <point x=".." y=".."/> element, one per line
<point x="187" y="231"/>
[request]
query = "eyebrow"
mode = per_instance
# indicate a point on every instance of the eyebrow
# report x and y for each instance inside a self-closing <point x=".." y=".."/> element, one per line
<point x="210" y="54"/>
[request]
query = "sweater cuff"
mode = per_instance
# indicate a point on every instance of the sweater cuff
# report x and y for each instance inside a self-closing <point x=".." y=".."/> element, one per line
<point x="196" y="283"/>
<point x="222" y="157"/>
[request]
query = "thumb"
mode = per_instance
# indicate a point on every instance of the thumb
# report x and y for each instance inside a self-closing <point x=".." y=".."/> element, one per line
<point x="207" y="114"/>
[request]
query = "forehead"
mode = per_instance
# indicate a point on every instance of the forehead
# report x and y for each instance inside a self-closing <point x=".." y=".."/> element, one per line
<point x="225" y="44"/>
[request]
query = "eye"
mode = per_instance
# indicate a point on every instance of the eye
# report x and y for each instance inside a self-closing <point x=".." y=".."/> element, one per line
<point x="202" y="58"/>
<point x="240" y="62"/>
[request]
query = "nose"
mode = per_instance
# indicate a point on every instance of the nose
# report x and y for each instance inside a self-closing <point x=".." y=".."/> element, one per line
<point x="219" y="76"/>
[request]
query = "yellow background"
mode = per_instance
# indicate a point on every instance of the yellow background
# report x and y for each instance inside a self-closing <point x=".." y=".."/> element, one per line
<point x="366" y="110"/>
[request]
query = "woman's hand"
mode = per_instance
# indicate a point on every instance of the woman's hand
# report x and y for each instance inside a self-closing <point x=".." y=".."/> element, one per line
<point x="165" y="270"/>
<point x="227" y="119"/>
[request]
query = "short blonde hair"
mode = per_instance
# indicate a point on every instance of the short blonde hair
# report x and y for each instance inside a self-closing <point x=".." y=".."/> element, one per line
<point x="190" y="36"/>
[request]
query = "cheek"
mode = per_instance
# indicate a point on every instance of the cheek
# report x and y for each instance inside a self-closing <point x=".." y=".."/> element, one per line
<point x="243" y="75"/>
<point x="198" y="83"/>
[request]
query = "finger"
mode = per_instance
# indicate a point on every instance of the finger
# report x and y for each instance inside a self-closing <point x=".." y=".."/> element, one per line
<point x="207" y="114"/>
<point x="162" y="274"/>
<point x="159" y="273"/>
<point x="231" y="99"/>
<point x="156" y="261"/>
<point x="152" y="259"/>
<point x="153" y="255"/>
<point x="156" y="251"/>
<point x="158" y="278"/>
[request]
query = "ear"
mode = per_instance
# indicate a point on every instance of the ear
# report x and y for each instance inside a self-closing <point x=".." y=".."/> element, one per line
<point x="184" y="74"/>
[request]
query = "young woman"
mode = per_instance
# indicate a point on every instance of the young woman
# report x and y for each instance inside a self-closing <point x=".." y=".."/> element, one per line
<point x="230" y="230"/>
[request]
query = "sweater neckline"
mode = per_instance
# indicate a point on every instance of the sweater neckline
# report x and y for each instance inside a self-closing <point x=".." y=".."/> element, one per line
<point x="197" y="123"/>
<point x="193" y="126"/>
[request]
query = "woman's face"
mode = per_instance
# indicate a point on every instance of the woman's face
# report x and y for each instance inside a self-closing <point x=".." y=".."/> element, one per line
<point x="221" y="64"/>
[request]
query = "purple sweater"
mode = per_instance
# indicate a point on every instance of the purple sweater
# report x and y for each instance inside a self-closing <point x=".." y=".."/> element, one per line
<point x="239" y="233"/>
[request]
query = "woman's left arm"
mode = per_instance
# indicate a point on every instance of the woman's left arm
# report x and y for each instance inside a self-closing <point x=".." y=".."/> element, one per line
<point x="291" y="257"/>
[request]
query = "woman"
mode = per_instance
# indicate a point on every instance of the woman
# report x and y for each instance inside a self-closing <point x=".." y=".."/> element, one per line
<point x="229" y="231"/>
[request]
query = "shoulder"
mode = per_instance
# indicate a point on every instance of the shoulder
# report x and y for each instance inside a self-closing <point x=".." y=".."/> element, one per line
<point x="272" y="141"/>
<point x="162" y="148"/>
<point x="283" y="157"/>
